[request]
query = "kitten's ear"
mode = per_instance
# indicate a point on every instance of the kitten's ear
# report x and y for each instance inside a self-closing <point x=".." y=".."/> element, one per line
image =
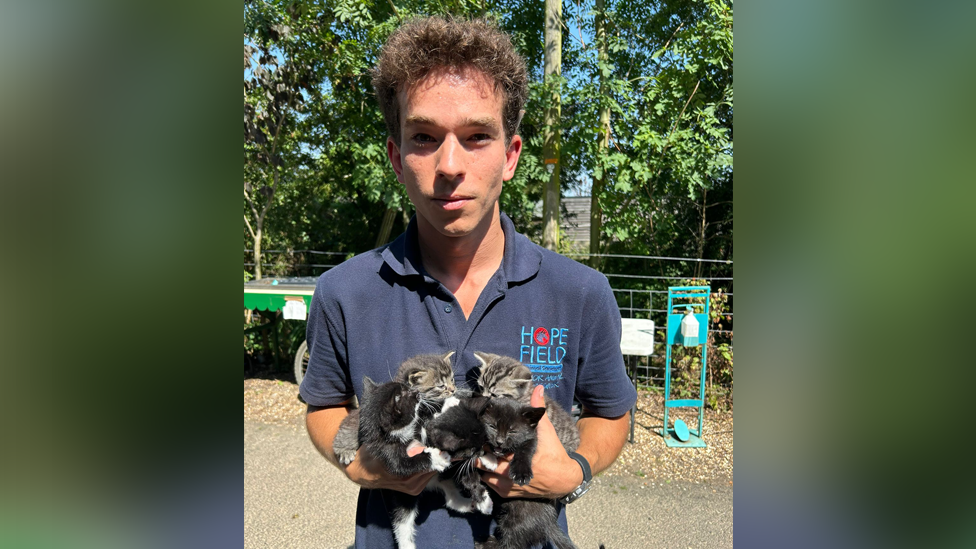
<point x="533" y="415"/>
<point x="368" y="385"/>
<point x="447" y="358"/>
<point x="484" y="358"/>
<point x="415" y="378"/>
<point x="478" y="404"/>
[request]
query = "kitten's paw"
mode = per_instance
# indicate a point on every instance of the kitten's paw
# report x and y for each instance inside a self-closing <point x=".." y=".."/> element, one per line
<point x="449" y="403"/>
<point x="489" y="462"/>
<point x="485" y="505"/>
<point x="438" y="460"/>
<point x="346" y="457"/>
<point x="459" y="504"/>
<point x="521" y="476"/>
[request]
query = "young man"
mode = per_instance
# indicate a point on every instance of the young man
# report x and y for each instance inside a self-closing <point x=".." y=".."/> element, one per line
<point x="462" y="279"/>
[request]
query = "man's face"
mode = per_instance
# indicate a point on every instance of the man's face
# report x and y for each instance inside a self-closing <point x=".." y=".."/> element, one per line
<point x="452" y="158"/>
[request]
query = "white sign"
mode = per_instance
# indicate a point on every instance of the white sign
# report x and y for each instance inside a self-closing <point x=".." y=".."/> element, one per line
<point x="295" y="310"/>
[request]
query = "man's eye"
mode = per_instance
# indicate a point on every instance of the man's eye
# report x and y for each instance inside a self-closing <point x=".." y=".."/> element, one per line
<point x="423" y="138"/>
<point x="480" y="137"/>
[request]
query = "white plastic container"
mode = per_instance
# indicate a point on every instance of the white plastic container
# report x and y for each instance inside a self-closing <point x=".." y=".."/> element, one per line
<point x="689" y="329"/>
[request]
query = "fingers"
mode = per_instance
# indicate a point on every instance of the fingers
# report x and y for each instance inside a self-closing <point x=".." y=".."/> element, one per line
<point x="415" y="485"/>
<point x="414" y="449"/>
<point x="500" y="483"/>
<point x="497" y="461"/>
<point x="538" y="399"/>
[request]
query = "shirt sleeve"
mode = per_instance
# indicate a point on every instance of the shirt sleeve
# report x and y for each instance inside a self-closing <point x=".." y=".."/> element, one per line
<point x="327" y="381"/>
<point x="602" y="385"/>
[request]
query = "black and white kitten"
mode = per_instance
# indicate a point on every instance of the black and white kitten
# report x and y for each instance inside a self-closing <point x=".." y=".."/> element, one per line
<point x="430" y="376"/>
<point x="459" y="431"/>
<point x="390" y="422"/>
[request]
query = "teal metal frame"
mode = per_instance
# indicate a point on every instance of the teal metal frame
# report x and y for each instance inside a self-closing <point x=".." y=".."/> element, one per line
<point x="680" y="298"/>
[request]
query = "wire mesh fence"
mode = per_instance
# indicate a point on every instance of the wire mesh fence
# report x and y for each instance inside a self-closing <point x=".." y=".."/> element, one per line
<point x="640" y="284"/>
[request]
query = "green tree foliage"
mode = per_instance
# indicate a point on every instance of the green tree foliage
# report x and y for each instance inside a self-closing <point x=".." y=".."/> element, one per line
<point x="666" y="80"/>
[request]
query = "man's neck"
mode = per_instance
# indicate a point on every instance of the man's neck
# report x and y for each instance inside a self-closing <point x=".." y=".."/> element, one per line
<point x="466" y="262"/>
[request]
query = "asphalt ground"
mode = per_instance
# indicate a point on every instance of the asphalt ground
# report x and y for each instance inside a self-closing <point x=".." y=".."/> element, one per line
<point x="294" y="498"/>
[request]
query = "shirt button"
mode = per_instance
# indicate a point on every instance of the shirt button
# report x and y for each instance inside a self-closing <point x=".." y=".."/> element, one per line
<point x="448" y="309"/>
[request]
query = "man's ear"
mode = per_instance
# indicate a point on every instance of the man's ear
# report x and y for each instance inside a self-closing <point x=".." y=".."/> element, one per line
<point x="393" y="152"/>
<point x="511" y="157"/>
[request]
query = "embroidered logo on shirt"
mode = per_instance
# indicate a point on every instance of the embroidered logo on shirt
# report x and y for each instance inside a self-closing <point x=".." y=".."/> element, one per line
<point x="542" y="350"/>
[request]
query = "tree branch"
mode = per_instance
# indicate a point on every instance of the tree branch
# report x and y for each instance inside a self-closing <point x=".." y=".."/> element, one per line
<point x="274" y="172"/>
<point x="249" y="229"/>
<point x="250" y="204"/>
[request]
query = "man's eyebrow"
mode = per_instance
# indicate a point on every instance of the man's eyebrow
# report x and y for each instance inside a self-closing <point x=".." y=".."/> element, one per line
<point x="483" y="122"/>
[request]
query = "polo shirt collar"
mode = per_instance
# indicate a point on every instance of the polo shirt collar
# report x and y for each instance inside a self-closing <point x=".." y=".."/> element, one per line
<point x="520" y="262"/>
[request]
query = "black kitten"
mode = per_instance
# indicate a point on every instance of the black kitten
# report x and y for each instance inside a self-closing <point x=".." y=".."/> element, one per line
<point x="458" y="430"/>
<point x="511" y="428"/>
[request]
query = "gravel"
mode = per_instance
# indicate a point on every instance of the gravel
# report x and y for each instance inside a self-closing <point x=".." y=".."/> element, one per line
<point x="277" y="402"/>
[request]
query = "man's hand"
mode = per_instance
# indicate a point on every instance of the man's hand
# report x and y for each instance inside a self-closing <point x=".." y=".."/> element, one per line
<point x="365" y="470"/>
<point x="554" y="473"/>
<point x="369" y="472"/>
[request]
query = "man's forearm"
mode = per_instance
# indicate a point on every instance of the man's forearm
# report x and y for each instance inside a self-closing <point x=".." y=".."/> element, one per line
<point x="602" y="439"/>
<point x="322" y="425"/>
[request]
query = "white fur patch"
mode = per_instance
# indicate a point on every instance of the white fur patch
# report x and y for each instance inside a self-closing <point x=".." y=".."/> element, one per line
<point x="489" y="462"/>
<point x="404" y="529"/>
<point x="438" y="460"/>
<point x="405" y="433"/>
<point x="453" y="499"/>
<point x="449" y="403"/>
<point x="485" y="506"/>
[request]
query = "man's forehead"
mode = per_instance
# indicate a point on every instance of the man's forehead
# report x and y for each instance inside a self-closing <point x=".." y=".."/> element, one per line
<point x="483" y="85"/>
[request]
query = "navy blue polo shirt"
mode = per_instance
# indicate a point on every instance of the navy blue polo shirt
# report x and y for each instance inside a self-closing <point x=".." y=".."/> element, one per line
<point x="374" y="311"/>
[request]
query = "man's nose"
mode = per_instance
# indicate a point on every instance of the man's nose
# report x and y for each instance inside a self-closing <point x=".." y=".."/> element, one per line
<point x="450" y="158"/>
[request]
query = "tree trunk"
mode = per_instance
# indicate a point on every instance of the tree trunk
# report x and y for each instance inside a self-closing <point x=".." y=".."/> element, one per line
<point x="553" y="59"/>
<point x="599" y="183"/>
<point x="386" y="227"/>
<point x="257" y="250"/>
<point x="701" y="236"/>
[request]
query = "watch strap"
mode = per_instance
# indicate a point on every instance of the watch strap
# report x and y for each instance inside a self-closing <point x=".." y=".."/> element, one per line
<point x="585" y="465"/>
<point x="585" y="485"/>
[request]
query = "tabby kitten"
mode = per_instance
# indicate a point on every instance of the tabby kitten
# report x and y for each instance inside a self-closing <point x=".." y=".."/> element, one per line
<point x="430" y="376"/>
<point x="502" y="376"/>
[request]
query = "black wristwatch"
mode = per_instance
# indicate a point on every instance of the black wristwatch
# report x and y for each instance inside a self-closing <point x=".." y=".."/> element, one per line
<point x="585" y="485"/>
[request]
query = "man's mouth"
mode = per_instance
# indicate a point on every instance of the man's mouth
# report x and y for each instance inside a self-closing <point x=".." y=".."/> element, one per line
<point x="452" y="202"/>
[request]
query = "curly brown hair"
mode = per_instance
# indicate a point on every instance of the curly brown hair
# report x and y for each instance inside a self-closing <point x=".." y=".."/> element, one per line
<point x="423" y="45"/>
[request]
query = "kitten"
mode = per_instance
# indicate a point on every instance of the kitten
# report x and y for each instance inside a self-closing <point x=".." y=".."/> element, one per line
<point x="511" y="428"/>
<point x="511" y="425"/>
<point x="459" y="431"/>
<point x="431" y="376"/>
<point x="390" y="423"/>
<point x="502" y="376"/>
